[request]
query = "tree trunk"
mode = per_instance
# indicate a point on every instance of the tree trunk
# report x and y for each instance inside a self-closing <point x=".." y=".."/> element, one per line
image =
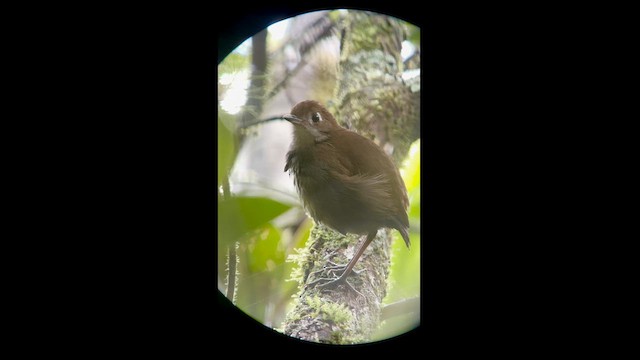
<point x="256" y="93"/>
<point x="372" y="99"/>
<point x="251" y="111"/>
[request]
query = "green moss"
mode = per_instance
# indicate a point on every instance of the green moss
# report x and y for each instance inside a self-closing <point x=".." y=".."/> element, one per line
<point x="367" y="32"/>
<point x="335" y="314"/>
<point x="330" y="239"/>
<point x="299" y="258"/>
<point x="293" y="316"/>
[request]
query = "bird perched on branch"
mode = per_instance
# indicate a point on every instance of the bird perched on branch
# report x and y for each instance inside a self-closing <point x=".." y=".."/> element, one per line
<point x="344" y="180"/>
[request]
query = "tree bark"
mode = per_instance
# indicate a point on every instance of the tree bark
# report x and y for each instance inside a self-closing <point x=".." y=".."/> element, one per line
<point x="256" y="92"/>
<point x="372" y="99"/>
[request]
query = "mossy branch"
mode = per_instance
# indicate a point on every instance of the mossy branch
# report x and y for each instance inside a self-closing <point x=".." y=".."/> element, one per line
<point x="372" y="99"/>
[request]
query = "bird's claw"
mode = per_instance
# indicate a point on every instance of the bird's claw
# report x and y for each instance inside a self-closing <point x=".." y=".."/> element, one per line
<point x="330" y="283"/>
<point x="335" y="268"/>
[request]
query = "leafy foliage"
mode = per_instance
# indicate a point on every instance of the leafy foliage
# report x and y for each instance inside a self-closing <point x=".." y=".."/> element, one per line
<point x="238" y="216"/>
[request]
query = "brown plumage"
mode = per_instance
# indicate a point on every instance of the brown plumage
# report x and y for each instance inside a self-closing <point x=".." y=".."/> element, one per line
<point x="344" y="180"/>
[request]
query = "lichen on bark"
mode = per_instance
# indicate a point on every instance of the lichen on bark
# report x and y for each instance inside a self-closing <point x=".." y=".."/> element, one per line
<point x="371" y="96"/>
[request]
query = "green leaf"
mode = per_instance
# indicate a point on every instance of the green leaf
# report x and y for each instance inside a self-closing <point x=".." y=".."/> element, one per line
<point x="226" y="149"/>
<point x="302" y="234"/>
<point x="266" y="253"/>
<point x="410" y="169"/>
<point x="404" y="275"/>
<point x="237" y="216"/>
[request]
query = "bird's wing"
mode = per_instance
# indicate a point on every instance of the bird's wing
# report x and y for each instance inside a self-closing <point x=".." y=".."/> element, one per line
<point x="365" y="157"/>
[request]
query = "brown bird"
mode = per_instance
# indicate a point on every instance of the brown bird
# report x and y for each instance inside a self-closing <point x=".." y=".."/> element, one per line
<point x="344" y="180"/>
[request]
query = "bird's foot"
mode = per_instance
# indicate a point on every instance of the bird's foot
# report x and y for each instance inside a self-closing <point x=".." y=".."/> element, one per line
<point x="332" y="269"/>
<point x="334" y="282"/>
<point x="330" y="284"/>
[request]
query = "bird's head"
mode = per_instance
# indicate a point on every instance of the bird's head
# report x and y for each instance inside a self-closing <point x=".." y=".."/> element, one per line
<point x="312" y="122"/>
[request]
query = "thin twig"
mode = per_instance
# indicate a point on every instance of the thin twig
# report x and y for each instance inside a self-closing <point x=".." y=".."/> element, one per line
<point x="231" y="283"/>
<point x="232" y="256"/>
<point x="259" y="121"/>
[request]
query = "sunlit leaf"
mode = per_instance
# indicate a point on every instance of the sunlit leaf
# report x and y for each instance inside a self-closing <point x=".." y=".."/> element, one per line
<point x="414" y="205"/>
<point x="404" y="276"/>
<point x="302" y="234"/>
<point x="410" y="169"/>
<point x="266" y="255"/>
<point x="237" y="216"/>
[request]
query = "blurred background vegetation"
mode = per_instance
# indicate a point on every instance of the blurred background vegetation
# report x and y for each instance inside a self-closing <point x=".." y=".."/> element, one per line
<point x="260" y="220"/>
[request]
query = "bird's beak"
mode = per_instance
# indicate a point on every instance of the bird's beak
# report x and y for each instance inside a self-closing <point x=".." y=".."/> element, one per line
<point x="292" y="119"/>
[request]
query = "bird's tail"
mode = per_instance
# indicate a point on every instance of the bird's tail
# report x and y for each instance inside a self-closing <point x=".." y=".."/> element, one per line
<point x="405" y="235"/>
<point x="402" y="225"/>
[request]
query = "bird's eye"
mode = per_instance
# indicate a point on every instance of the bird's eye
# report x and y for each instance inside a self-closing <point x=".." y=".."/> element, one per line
<point x="316" y="117"/>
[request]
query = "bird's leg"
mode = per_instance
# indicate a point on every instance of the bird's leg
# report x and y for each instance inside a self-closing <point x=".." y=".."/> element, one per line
<point x="346" y="269"/>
